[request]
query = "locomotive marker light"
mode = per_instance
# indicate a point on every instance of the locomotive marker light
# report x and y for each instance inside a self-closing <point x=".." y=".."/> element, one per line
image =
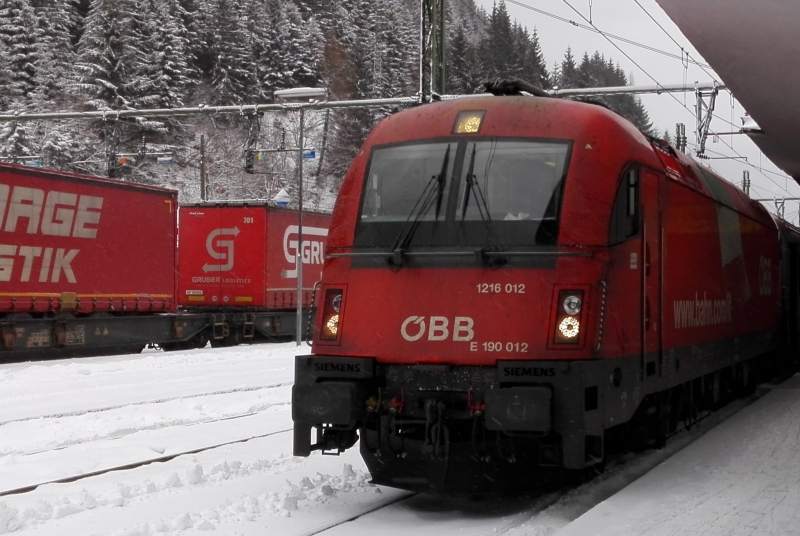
<point x="300" y="94"/>
<point x="469" y="122"/>
<point x="572" y="305"/>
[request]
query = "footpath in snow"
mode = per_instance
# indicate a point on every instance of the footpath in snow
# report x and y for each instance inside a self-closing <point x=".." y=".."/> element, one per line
<point x="742" y="477"/>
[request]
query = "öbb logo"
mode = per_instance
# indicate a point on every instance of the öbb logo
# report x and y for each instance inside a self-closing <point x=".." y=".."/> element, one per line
<point x="437" y="328"/>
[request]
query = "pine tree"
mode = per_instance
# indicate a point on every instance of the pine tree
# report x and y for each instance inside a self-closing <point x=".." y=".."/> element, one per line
<point x="5" y="79"/>
<point x="463" y="72"/>
<point x="497" y="49"/>
<point x="56" y="54"/>
<point x="157" y="52"/>
<point x="233" y="78"/>
<point x="534" y="69"/>
<point x="569" y="71"/>
<point x="286" y="48"/>
<point x="20" y="32"/>
<point x="100" y="67"/>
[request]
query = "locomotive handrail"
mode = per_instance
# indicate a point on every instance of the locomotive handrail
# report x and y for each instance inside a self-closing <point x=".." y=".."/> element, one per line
<point x="462" y="254"/>
<point x="538" y="253"/>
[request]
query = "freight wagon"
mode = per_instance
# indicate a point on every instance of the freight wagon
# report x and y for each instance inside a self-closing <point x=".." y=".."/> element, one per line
<point x="238" y="263"/>
<point x="86" y="263"/>
<point x="90" y="266"/>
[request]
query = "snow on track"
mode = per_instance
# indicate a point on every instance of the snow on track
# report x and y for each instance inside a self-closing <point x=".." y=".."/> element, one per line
<point x="75" y="386"/>
<point x="99" y="424"/>
<point x="32" y="436"/>
<point x="139" y="425"/>
<point x="24" y="472"/>
<point x="250" y="488"/>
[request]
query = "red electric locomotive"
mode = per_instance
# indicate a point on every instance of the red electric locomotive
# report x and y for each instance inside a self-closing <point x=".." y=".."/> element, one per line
<point x="512" y="280"/>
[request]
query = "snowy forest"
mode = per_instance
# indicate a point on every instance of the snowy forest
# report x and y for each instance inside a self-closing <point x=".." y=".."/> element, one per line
<point x="94" y="55"/>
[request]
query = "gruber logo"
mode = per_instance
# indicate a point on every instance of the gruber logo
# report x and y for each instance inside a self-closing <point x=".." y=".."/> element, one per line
<point x="437" y="328"/>
<point x="221" y="250"/>
<point x="312" y="251"/>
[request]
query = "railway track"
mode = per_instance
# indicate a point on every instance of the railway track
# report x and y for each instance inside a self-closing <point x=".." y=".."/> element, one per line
<point x="353" y="516"/>
<point x="134" y="465"/>
<point x="162" y="400"/>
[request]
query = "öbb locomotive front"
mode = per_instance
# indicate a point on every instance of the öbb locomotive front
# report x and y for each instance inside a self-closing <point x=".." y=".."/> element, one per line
<point x="512" y="281"/>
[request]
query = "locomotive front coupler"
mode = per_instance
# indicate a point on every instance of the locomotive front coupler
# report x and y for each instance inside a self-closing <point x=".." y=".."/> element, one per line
<point x="328" y="396"/>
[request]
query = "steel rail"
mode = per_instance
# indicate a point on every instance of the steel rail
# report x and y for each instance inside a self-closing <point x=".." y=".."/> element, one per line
<point x="77" y="413"/>
<point x="134" y="465"/>
<point x="353" y="517"/>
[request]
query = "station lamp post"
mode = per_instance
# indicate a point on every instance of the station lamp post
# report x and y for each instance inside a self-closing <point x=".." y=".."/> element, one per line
<point x="300" y="96"/>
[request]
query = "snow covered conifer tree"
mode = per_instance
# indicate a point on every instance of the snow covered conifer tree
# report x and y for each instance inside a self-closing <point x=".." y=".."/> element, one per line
<point x="56" y="55"/>
<point x="233" y="78"/>
<point x="19" y="31"/>
<point x="101" y="72"/>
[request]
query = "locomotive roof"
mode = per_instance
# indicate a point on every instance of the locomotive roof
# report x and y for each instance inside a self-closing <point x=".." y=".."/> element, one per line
<point x="562" y="119"/>
<point x="604" y="144"/>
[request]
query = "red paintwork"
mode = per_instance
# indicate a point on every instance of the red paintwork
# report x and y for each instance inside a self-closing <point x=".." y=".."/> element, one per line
<point x="259" y="275"/>
<point x="700" y="236"/>
<point x="111" y="257"/>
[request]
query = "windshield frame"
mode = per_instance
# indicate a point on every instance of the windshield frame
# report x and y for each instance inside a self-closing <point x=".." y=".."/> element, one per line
<point x="455" y="188"/>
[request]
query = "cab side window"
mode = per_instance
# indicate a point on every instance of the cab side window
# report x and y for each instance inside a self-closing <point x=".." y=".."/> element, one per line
<point x="625" y="212"/>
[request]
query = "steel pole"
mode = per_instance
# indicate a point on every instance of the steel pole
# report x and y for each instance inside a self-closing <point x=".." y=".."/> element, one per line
<point x="299" y="255"/>
<point x="202" y="167"/>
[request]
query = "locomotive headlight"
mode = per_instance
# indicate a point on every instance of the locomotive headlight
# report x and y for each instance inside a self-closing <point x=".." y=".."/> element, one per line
<point x="569" y="327"/>
<point x="572" y="305"/>
<point x="569" y="316"/>
<point x="330" y="327"/>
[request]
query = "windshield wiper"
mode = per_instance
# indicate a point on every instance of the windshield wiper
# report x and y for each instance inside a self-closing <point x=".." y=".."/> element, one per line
<point x="480" y="200"/>
<point x="435" y="187"/>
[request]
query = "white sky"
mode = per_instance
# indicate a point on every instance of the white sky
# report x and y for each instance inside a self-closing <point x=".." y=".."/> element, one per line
<point x="626" y="19"/>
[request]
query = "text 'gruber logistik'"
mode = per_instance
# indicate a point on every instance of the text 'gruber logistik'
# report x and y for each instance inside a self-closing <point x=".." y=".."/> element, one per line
<point x="50" y="213"/>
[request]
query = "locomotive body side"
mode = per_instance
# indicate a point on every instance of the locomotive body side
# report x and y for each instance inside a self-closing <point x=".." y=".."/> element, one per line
<point x="530" y="270"/>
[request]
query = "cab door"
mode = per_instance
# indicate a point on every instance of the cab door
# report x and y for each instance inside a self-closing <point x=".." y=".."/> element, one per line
<point x="652" y="241"/>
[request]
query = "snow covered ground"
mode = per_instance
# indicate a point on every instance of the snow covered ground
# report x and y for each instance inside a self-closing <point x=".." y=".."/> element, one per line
<point x="743" y="477"/>
<point x="63" y="419"/>
<point x="216" y="426"/>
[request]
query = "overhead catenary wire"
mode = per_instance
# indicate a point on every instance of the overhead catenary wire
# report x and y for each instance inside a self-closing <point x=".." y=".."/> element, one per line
<point x="594" y="29"/>
<point x="683" y="50"/>
<point x="659" y="84"/>
<point x="730" y="146"/>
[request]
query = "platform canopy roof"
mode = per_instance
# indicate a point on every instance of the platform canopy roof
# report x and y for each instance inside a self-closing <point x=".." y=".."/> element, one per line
<point x="754" y="46"/>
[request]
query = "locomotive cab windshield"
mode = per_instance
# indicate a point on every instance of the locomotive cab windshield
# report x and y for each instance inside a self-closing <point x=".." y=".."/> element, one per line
<point x="463" y="193"/>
